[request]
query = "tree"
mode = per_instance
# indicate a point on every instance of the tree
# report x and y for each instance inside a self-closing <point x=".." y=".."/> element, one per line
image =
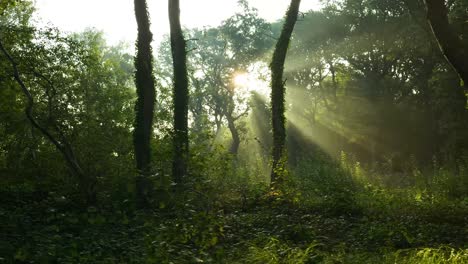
<point x="4" y="5"/>
<point x="28" y="62"/>
<point x="80" y="92"/>
<point x="60" y="142"/>
<point x="145" y="86"/>
<point x="216" y="56"/>
<point x="180" y="93"/>
<point x="361" y="65"/>
<point x="220" y="55"/>
<point x="278" y="89"/>
<point x="246" y="38"/>
<point x="454" y="50"/>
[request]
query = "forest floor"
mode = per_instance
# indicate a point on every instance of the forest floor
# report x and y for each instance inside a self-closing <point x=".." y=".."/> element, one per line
<point x="378" y="226"/>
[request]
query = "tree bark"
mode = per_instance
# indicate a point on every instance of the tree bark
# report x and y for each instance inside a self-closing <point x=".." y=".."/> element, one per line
<point x="146" y="95"/>
<point x="87" y="184"/>
<point x="278" y="89"/>
<point x="180" y="93"/>
<point x="450" y="44"/>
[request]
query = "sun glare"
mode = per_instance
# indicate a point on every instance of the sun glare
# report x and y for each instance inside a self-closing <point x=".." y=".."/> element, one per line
<point x="241" y="79"/>
<point x="251" y="81"/>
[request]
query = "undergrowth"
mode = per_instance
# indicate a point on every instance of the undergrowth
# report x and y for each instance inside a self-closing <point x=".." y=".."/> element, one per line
<point x="324" y="213"/>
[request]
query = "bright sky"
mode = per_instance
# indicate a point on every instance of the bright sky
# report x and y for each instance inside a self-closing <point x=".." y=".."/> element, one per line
<point x="116" y="17"/>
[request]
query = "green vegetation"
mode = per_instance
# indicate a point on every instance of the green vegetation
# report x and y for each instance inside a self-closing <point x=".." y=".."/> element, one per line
<point x="375" y="166"/>
<point x="228" y="221"/>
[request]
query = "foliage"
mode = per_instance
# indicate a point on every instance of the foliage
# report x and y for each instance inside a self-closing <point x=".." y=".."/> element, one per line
<point x="276" y="252"/>
<point x="377" y="170"/>
<point x="430" y="255"/>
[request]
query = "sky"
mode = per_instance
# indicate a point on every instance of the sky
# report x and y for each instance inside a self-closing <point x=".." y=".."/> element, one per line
<point x="116" y="17"/>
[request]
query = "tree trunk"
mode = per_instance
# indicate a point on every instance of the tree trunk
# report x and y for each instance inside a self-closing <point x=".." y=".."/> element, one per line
<point x="180" y="93"/>
<point x="278" y="89"/>
<point x="450" y="44"/>
<point x="235" y="135"/>
<point x="145" y="86"/>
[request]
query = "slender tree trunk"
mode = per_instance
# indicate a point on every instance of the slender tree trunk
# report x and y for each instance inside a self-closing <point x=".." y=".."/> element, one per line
<point x="334" y="82"/>
<point x="145" y="86"/>
<point x="450" y="44"/>
<point x="278" y="89"/>
<point x="234" y="149"/>
<point x="87" y="183"/>
<point x="181" y="94"/>
<point x="218" y="123"/>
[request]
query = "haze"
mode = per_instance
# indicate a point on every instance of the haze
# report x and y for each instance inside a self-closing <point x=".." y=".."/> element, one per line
<point x="118" y="21"/>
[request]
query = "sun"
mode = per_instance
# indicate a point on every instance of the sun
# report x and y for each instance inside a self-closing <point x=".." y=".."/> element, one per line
<point x="250" y="82"/>
<point x="242" y="80"/>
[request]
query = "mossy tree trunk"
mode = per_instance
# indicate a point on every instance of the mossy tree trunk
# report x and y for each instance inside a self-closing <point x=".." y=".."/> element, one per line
<point x="144" y="108"/>
<point x="278" y="89"/>
<point x="180" y="93"/>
